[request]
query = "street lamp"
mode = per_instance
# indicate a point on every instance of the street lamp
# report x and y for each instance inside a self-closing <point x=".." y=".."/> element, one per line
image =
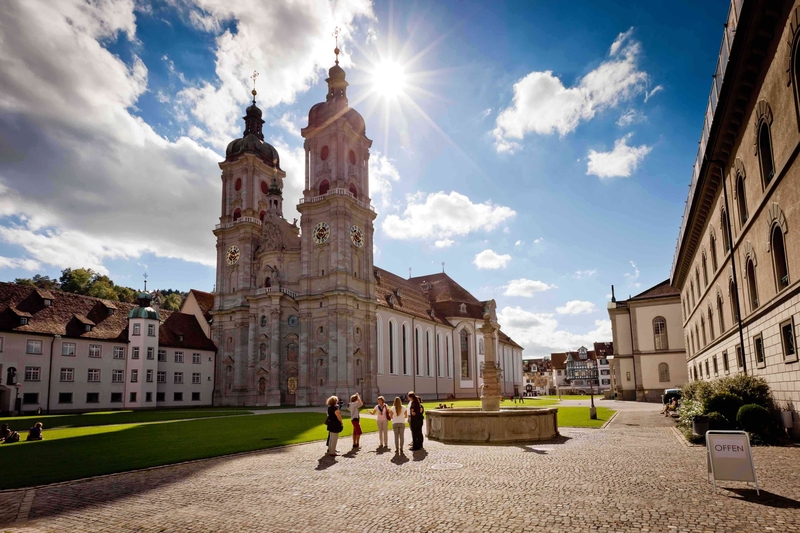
<point x="17" y="405"/>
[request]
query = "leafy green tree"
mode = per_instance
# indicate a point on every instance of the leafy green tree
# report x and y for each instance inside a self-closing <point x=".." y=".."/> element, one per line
<point x="45" y="282"/>
<point x="125" y="294"/>
<point x="172" y="302"/>
<point x="25" y="281"/>
<point x="102" y="289"/>
<point x="76" y="281"/>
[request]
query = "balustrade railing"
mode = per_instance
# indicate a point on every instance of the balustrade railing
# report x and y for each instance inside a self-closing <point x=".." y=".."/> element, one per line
<point x="336" y="192"/>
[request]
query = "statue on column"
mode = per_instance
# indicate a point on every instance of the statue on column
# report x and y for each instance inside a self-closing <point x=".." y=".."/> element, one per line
<point x="490" y="394"/>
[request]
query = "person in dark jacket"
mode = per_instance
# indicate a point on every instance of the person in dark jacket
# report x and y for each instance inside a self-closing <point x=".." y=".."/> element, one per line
<point x="415" y="421"/>
<point x="335" y="425"/>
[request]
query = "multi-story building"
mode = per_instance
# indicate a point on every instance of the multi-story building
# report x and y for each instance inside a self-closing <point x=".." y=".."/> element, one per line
<point x="649" y="353"/>
<point x="66" y="352"/>
<point x="537" y="374"/>
<point x="301" y="312"/>
<point x="559" y="362"/>
<point x="737" y="262"/>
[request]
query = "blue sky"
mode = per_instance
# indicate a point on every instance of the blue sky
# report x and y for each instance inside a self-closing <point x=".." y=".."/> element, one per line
<point x="542" y="150"/>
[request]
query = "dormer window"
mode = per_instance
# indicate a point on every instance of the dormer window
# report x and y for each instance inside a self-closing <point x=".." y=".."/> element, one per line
<point x="110" y="311"/>
<point x="399" y="294"/>
<point x="88" y="327"/>
<point x="23" y="321"/>
<point x="48" y="302"/>
<point x="180" y="338"/>
<point x="391" y="299"/>
<point x="463" y="308"/>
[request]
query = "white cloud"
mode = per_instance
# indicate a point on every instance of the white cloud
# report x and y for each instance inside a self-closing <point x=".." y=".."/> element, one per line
<point x="506" y="230"/>
<point x="540" y="335"/>
<point x="576" y="307"/>
<point x="631" y="116"/>
<point x="585" y="273"/>
<point x="288" y="122"/>
<point x="111" y="185"/>
<point x="490" y="260"/>
<point x="543" y="105"/>
<point x="526" y="287"/>
<point x="439" y="215"/>
<point x="649" y="94"/>
<point x="538" y="240"/>
<point x="519" y="243"/>
<point x="22" y="263"/>
<point x="632" y="277"/>
<point x="487" y="112"/>
<point x="622" y="161"/>
<point x="444" y="243"/>
<point x="382" y="173"/>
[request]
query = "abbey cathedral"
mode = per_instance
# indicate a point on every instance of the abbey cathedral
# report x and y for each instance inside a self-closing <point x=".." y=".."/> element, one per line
<point x="301" y="312"/>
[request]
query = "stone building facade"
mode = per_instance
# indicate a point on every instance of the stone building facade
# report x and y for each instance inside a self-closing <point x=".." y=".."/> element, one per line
<point x="300" y="311"/>
<point x="737" y="262"/>
<point x="648" y="345"/>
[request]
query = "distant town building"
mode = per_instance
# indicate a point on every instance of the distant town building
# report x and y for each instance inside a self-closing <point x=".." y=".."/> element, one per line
<point x="537" y="376"/>
<point x="581" y="386"/>
<point x="649" y="353"/>
<point x="737" y="262"/>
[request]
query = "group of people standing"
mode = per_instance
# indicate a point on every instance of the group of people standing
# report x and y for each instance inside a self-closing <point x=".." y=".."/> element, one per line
<point x="397" y="414"/>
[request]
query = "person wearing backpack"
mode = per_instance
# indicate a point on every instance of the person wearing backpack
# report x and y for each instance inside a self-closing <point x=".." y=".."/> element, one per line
<point x="415" y="421"/>
<point x="334" y="423"/>
<point x="383" y="422"/>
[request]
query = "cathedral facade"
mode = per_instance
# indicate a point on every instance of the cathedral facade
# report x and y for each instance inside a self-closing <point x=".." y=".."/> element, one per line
<point x="301" y="312"/>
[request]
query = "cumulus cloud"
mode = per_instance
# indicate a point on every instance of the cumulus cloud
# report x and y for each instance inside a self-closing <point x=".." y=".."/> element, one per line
<point x="444" y="243"/>
<point x="622" y="161"/>
<point x="491" y="260"/>
<point x="526" y="287"/>
<point x="585" y="273"/>
<point x="519" y="243"/>
<point x="543" y="105"/>
<point x="540" y="335"/>
<point x="632" y="277"/>
<point x="382" y="173"/>
<point x="109" y="186"/>
<point x="538" y="240"/>
<point x="22" y="263"/>
<point x="439" y="215"/>
<point x="576" y="307"/>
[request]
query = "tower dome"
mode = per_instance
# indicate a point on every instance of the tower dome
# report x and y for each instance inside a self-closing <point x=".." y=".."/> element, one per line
<point x="252" y="140"/>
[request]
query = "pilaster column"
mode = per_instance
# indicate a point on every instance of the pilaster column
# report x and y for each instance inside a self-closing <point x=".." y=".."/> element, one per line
<point x="274" y="392"/>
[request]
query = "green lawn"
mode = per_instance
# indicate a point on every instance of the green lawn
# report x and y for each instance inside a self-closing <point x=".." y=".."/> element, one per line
<point x="579" y="417"/>
<point x="22" y="423"/>
<point x="83" y="451"/>
<point x="529" y="402"/>
<point x="572" y="397"/>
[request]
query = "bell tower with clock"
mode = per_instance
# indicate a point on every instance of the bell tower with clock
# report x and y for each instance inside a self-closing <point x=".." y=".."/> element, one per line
<point x="336" y="246"/>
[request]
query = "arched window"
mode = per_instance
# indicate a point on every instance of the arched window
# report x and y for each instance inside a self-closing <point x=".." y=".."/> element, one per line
<point x="428" y="354"/>
<point x="264" y="187"/>
<point x="741" y="200"/>
<point x="448" y="356"/>
<point x="416" y="352"/>
<point x="765" y="153"/>
<point x="691" y="294"/>
<point x="711" y="322"/>
<point x="353" y="191"/>
<point x="379" y="343"/>
<point x="779" y="258"/>
<point x="391" y="347"/>
<point x="268" y="282"/>
<point x="703" y="330"/>
<point x="734" y="300"/>
<point x="725" y="225"/>
<point x="720" y="314"/>
<point x="660" y="333"/>
<point x="699" y="287"/>
<point x="237" y="214"/>
<point x="751" y="284"/>
<point x="323" y="187"/>
<point x="713" y="247"/>
<point x="694" y="348"/>
<point x="663" y="372"/>
<point x="405" y="350"/>
<point x="705" y="271"/>
<point x="262" y="215"/>
<point x="688" y="347"/>
<point x="262" y="352"/>
<point x="439" y="366"/>
<point x="238" y="185"/>
<point x="465" y="354"/>
<point x="697" y="336"/>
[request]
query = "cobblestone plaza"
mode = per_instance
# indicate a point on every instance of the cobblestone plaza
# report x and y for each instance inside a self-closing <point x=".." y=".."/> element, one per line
<point x="634" y="475"/>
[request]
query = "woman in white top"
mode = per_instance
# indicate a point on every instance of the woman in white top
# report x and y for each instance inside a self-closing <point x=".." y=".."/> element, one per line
<point x="399" y="425"/>
<point x="383" y="422"/>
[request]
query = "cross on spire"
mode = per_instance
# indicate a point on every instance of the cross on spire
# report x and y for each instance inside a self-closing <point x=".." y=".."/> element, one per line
<point x="336" y="50"/>
<point x="145" y="281"/>
<point x="253" y="77"/>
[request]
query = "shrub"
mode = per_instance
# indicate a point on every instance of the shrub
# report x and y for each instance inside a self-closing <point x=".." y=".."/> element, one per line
<point x="751" y="389"/>
<point x="687" y="411"/>
<point x="724" y="403"/>
<point x="754" y="418"/>
<point x="698" y="391"/>
<point x="717" y="421"/>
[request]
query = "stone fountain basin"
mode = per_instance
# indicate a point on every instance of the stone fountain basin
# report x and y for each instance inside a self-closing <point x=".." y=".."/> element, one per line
<point x="471" y="425"/>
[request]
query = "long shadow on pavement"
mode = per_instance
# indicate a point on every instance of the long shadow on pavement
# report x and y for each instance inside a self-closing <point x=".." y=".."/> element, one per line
<point x="767" y="498"/>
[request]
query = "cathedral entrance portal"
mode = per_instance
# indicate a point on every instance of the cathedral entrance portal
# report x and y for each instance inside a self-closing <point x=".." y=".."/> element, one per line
<point x="290" y="398"/>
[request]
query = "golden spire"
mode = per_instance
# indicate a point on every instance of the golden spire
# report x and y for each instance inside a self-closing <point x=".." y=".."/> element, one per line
<point x="253" y="92"/>
<point x="336" y="50"/>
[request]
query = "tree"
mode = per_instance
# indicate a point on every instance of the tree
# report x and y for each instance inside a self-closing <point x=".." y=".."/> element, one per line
<point x="102" y="289"/>
<point x="25" y="281"/>
<point x="76" y="281"/>
<point x="172" y="302"/>
<point x="125" y="294"/>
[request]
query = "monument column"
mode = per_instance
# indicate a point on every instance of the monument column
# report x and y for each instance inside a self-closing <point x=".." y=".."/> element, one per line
<point x="490" y="395"/>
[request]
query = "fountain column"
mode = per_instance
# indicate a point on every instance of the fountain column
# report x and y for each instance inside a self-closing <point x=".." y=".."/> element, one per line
<point x="490" y="395"/>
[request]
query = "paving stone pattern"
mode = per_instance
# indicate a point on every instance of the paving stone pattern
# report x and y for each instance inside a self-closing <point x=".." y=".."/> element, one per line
<point x="634" y="475"/>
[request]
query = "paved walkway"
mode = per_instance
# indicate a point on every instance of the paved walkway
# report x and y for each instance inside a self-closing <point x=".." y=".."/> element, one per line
<point x="635" y="475"/>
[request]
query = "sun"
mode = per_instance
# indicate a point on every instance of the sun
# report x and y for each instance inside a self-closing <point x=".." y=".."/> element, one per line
<point x="389" y="79"/>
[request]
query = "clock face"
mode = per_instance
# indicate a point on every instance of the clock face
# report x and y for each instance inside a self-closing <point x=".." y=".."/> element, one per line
<point x="356" y="235"/>
<point x="293" y="321"/>
<point x="322" y="232"/>
<point x="233" y="255"/>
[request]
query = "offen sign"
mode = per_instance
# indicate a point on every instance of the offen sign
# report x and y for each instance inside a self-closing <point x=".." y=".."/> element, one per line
<point x="729" y="457"/>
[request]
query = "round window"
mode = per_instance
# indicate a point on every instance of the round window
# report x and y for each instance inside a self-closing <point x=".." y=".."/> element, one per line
<point x="264" y="188"/>
<point x="352" y="157"/>
<point x="239" y="184"/>
<point x="325" y="152"/>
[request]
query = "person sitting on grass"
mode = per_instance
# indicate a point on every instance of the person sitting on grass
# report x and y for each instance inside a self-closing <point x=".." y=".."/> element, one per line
<point x="35" y="433"/>
<point x="5" y="433"/>
<point x="355" y="404"/>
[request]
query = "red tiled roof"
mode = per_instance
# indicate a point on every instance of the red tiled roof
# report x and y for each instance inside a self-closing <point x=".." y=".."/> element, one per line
<point x="559" y="360"/>
<point x="411" y="299"/>
<point x="604" y="349"/>
<point x="205" y="300"/>
<point x="662" y="290"/>
<point x="70" y="313"/>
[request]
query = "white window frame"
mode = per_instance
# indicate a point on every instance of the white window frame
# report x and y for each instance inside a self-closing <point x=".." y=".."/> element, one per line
<point x="179" y="357"/>
<point x="196" y="378"/>
<point x="30" y="347"/>
<point x="93" y="372"/>
<point x="137" y="329"/>
<point x="177" y="378"/>
<point x="134" y="352"/>
<point x="98" y="348"/>
<point x="119" y="352"/>
<point x="149" y="375"/>
<point x="161" y="376"/>
<point x="117" y="376"/>
<point x="150" y="353"/>
<point x="33" y="373"/>
<point x="70" y="348"/>
<point x="162" y="355"/>
<point x="151" y="330"/>
<point x="67" y="375"/>
<point x="134" y="375"/>
<point x="197" y="358"/>
<point x="793" y="357"/>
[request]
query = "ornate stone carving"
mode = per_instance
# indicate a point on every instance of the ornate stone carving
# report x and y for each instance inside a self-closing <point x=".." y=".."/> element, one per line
<point x="271" y="235"/>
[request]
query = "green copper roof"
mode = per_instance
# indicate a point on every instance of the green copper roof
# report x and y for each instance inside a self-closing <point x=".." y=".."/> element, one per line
<point x="144" y="312"/>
